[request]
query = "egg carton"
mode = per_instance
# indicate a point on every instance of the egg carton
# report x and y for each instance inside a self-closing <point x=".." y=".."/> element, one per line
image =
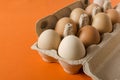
<point x="101" y="61"/>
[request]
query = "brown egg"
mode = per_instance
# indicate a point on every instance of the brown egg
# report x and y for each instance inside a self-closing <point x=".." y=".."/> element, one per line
<point x="89" y="35"/>
<point x="75" y="14"/>
<point x="113" y="15"/>
<point x="102" y="23"/>
<point x="65" y="24"/>
<point x="90" y="8"/>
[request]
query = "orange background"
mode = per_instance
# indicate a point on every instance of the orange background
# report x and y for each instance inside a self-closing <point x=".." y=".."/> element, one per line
<point x="17" y="34"/>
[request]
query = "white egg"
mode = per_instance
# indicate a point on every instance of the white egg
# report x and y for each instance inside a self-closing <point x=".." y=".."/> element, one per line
<point x="49" y="39"/>
<point x="71" y="48"/>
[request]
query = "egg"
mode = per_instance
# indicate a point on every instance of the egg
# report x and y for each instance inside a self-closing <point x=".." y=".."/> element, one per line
<point x="75" y="14"/>
<point x="113" y="15"/>
<point x="65" y="24"/>
<point x="71" y="48"/>
<point x="102" y="23"/>
<point x="89" y="35"/>
<point x="49" y="39"/>
<point x="90" y="8"/>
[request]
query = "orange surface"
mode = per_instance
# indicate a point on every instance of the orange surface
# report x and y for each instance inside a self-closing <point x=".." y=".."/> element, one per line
<point x="17" y="34"/>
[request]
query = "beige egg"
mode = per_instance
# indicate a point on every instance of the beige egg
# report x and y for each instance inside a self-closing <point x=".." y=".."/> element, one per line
<point x="89" y="35"/>
<point x="71" y="48"/>
<point x="102" y="23"/>
<point x="49" y="39"/>
<point x="75" y="14"/>
<point x="65" y="24"/>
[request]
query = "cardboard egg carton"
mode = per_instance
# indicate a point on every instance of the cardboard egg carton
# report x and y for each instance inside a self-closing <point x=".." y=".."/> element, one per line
<point x="101" y="61"/>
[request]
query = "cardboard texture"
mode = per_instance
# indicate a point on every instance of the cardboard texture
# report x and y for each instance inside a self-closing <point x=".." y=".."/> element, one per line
<point x="101" y="61"/>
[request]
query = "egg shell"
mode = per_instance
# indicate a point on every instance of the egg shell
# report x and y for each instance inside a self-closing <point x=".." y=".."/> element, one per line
<point x="114" y="15"/>
<point x="49" y="39"/>
<point x="102" y="23"/>
<point x="89" y="35"/>
<point x="60" y="25"/>
<point x="71" y="48"/>
<point x="75" y="14"/>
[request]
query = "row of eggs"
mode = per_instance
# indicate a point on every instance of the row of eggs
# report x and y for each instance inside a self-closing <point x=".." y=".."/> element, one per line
<point x="78" y="31"/>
